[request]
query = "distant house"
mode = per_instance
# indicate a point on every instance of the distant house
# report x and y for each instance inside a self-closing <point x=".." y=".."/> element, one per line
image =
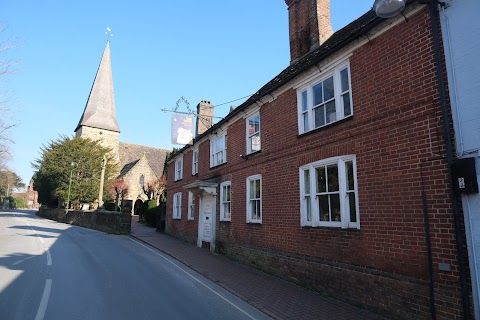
<point x="326" y="176"/>
<point x="30" y="196"/>
<point x="138" y="164"/>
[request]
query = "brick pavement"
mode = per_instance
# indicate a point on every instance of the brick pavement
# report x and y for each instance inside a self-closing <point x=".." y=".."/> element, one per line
<point x="275" y="297"/>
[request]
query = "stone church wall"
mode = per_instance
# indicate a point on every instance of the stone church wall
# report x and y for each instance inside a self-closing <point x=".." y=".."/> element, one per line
<point x="133" y="180"/>
<point x="108" y="138"/>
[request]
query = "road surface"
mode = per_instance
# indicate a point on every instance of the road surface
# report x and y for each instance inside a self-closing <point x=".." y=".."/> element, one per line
<point x="51" y="270"/>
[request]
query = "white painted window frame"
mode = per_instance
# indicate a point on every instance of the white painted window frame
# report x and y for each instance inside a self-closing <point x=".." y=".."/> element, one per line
<point x="250" y="219"/>
<point x="177" y="206"/>
<point x="307" y="90"/>
<point x="214" y="154"/>
<point x="195" y="161"/>
<point x="223" y="186"/>
<point x="310" y="199"/>
<point x="179" y="168"/>
<point x="191" y="206"/>
<point x="250" y="136"/>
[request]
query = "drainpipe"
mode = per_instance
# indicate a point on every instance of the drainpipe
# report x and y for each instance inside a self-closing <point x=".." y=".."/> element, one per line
<point x="449" y="149"/>
<point x="431" y="286"/>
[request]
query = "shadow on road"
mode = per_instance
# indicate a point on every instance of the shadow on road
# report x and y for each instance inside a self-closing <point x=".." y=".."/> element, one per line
<point x="23" y="265"/>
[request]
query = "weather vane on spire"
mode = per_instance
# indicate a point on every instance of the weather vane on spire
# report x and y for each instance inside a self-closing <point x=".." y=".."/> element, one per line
<point x="109" y="33"/>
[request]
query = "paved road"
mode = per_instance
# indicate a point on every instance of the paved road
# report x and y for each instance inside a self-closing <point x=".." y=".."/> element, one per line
<point x="50" y="270"/>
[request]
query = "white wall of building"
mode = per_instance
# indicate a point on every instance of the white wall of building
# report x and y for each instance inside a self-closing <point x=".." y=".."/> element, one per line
<point x="460" y="23"/>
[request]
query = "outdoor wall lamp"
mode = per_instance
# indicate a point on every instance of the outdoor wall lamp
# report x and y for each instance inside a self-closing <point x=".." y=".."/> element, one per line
<point x="390" y="8"/>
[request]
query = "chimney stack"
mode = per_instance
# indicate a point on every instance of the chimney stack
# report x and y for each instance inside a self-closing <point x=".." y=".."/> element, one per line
<point x="309" y="26"/>
<point x="204" y="117"/>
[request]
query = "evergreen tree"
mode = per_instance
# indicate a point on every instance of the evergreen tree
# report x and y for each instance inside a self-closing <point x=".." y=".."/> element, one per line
<point x="78" y="160"/>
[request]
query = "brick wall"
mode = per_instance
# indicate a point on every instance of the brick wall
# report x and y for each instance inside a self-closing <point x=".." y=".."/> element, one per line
<point x="397" y="138"/>
<point x="184" y="229"/>
<point x="102" y="220"/>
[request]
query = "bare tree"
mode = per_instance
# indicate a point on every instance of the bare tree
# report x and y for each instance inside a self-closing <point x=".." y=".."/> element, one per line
<point x="155" y="188"/>
<point x="118" y="190"/>
<point x="8" y="66"/>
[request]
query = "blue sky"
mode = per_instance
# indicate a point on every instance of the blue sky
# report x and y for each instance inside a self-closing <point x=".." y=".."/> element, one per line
<point x="161" y="50"/>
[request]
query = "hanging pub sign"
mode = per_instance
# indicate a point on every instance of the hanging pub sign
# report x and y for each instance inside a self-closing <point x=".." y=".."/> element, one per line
<point x="182" y="129"/>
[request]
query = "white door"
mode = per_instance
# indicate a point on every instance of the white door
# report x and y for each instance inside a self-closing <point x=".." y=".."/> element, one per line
<point x="207" y="218"/>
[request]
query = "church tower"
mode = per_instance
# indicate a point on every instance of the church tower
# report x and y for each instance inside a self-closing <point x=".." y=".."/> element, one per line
<point x="99" y="121"/>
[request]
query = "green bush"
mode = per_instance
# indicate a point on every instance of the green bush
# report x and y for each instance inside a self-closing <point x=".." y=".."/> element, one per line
<point x="11" y="202"/>
<point x="149" y="204"/>
<point x="150" y="209"/>
<point x="21" y="203"/>
<point x="17" y="203"/>
<point x="161" y="219"/>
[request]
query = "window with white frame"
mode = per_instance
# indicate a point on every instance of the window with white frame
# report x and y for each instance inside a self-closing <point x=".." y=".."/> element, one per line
<point x="195" y="162"/>
<point x="253" y="134"/>
<point x="325" y="100"/>
<point x="179" y="169"/>
<point x="218" y="150"/>
<point x="254" y="199"/>
<point x="191" y="205"/>
<point x="328" y="193"/>
<point x="225" y="201"/>
<point x="177" y="206"/>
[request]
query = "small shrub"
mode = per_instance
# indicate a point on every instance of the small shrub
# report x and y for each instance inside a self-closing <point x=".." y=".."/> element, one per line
<point x="161" y="217"/>
<point x="17" y="203"/>
<point x="150" y="214"/>
<point x="21" y="203"/>
<point x="149" y="204"/>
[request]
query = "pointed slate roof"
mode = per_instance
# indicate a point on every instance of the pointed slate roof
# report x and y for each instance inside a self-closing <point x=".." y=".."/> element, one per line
<point x="100" y="109"/>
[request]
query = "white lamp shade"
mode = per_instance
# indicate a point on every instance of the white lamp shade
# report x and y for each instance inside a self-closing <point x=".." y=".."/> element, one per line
<point x="388" y="8"/>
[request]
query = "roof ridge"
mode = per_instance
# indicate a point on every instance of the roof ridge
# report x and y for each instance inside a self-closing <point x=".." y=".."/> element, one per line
<point x="141" y="145"/>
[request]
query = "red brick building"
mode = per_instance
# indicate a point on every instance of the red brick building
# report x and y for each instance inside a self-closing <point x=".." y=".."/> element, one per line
<point x="318" y="177"/>
<point x="30" y="196"/>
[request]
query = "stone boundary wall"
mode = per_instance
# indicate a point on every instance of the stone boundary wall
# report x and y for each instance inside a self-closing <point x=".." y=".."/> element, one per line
<point x="102" y="220"/>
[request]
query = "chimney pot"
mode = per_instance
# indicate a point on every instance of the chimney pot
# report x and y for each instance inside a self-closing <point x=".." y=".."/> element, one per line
<point x="309" y="26"/>
<point x="204" y="117"/>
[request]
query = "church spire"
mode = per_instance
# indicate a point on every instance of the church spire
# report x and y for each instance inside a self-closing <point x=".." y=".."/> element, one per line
<point x="100" y="109"/>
